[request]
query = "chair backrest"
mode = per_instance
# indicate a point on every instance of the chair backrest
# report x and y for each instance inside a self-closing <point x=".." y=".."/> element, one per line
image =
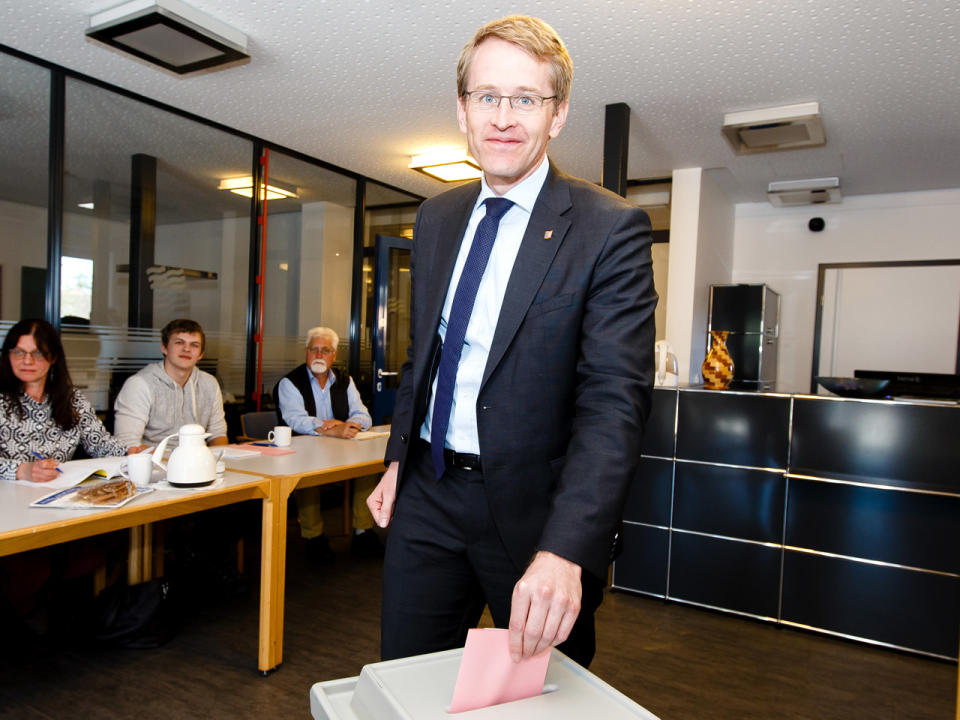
<point x="258" y="424"/>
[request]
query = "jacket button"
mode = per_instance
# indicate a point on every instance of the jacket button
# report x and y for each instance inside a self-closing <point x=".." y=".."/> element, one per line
<point x="403" y="438"/>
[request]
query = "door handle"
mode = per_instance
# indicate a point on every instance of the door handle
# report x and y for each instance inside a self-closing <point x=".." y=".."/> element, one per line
<point x="382" y="373"/>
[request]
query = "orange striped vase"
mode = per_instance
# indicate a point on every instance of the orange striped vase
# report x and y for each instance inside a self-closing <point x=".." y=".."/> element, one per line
<point x="717" y="368"/>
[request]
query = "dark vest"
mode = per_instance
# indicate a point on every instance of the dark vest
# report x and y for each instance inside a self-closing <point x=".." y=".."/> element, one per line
<point x="300" y="378"/>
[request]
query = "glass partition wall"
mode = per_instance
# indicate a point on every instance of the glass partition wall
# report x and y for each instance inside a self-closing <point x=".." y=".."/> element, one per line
<point x="156" y="224"/>
<point x="309" y="262"/>
<point x="149" y="237"/>
<point x="24" y="139"/>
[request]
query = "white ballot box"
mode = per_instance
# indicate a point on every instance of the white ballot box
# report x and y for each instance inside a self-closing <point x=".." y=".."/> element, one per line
<point x="421" y="687"/>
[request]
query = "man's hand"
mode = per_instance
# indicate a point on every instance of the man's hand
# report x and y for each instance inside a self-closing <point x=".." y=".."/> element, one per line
<point x="336" y="428"/>
<point x="40" y="471"/>
<point x="380" y="501"/>
<point x="545" y="604"/>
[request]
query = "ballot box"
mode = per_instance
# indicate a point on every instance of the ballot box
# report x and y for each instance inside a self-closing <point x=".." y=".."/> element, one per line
<point x="420" y="688"/>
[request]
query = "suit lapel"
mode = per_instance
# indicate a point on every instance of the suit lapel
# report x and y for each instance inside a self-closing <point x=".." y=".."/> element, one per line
<point x="447" y="237"/>
<point x="544" y="234"/>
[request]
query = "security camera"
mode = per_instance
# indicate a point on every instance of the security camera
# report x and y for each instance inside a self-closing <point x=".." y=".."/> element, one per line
<point x="816" y="224"/>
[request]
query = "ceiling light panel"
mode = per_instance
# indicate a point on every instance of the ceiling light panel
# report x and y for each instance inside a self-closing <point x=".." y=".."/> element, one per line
<point x="169" y="33"/>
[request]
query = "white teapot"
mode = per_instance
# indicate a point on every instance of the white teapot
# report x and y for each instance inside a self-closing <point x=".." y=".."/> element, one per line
<point x="666" y="360"/>
<point x="191" y="463"/>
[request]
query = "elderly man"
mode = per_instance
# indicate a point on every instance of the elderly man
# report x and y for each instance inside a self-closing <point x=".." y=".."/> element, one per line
<point x="521" y="407"/>
<point x="316" y="399"/>
<point x="162" y="396"/>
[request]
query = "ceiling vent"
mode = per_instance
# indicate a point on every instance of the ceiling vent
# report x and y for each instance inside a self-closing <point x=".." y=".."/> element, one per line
<point x="789" y="127"/>
<point x="169" y="33"/>
<point x="789" y="193"/>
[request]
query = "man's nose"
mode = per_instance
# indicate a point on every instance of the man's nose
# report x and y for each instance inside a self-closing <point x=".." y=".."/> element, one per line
<point x="504" y="117"/>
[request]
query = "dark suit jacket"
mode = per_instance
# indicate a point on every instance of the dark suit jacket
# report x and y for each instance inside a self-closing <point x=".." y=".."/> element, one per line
<point x="566" y="390"/>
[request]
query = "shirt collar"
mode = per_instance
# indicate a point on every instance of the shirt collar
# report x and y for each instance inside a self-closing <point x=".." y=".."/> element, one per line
<point x="524" y="193"/>
<point x="331" y="378"/>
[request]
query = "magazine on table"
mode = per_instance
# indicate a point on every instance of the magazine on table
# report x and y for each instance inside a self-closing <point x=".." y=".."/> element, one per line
<point x="95" y="492"/>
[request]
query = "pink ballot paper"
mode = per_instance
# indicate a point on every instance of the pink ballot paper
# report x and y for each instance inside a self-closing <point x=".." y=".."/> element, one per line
<point x="488" y="676"/>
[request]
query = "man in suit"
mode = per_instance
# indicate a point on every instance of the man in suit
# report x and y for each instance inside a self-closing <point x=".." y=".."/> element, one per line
<point x="514" y="440"/>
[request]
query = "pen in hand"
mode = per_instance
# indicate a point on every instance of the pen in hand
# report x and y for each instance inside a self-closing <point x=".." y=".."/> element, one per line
<point x="38" y="456"/>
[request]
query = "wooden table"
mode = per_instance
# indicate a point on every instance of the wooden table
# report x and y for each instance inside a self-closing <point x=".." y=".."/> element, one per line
<point x="25" y="528"/>
<point x="317" y="461"/>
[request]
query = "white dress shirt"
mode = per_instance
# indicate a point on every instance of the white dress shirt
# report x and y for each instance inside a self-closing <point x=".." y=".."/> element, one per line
<point x="462" y="430"/>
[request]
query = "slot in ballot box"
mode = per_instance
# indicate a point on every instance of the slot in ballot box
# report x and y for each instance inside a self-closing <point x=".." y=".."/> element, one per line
<point x="421" y="687"/>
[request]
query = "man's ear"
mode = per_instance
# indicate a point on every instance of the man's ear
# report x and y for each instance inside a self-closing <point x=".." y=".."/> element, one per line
<point x="559" y="118"/>
<point x="461" y="115"/>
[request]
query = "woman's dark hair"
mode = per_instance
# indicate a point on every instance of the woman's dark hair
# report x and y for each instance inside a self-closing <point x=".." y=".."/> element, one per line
<point x="59" y="387"/>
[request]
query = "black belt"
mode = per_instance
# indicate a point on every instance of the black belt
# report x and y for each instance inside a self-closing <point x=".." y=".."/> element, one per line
<point x="461" y="461"/>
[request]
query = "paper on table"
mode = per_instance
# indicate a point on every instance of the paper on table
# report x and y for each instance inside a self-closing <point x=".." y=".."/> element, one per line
<point x="488" y="676"/>
<point x="233" y="452"/>
<point x="75" y="472"/>
<point x="267" y="450"/>
<point x="370" y="434"/>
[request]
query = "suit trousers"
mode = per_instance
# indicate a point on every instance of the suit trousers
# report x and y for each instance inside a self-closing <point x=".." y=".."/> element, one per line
<point x="445" y="560"/>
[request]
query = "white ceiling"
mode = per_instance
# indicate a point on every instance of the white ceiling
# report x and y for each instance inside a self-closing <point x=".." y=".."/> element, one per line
<point x="365" y="84"/>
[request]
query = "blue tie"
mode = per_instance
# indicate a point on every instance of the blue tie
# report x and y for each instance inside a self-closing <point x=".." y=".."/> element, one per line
<point x="463" y="300"/>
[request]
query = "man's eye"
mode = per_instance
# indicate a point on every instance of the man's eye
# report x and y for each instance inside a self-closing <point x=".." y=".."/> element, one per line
<point x="524" y="101"/>
<point x="489" y="99"/>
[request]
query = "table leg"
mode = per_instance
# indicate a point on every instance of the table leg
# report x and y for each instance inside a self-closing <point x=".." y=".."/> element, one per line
<point x="135" y="556"/>
<point x="284" y="489"/>
<point x="267" y="655"/>
<point x="347" y="520"/>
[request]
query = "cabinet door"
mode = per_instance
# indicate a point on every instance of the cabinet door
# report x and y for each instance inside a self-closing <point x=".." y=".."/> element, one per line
<point x="725" y="574"/>
<point x="900" y="607"/>
<point x="642" y="566"/>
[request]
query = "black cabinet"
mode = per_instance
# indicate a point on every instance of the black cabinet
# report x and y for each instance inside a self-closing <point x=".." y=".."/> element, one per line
<point x="831" y="514"/>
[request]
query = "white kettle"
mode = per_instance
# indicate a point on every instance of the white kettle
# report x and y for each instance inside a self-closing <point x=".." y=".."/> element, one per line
<point x="666" y="360"/>
<point x="191" y="463"/>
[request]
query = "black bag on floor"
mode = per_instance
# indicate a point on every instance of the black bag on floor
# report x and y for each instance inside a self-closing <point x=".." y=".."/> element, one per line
<point x="135" y="616"/>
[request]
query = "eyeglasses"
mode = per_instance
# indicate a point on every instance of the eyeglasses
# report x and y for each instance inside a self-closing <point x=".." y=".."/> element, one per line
<point x="489" y="102"/>
<point x="320" y="350"/>
<point x="35" y="355"/>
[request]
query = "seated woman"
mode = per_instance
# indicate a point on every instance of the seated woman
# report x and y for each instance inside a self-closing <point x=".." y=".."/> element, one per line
<point x="45" y="417"/>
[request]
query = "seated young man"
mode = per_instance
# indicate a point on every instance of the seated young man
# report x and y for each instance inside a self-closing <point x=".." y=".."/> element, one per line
<point x="316" y="399"/>
<point x="165" y="395"/>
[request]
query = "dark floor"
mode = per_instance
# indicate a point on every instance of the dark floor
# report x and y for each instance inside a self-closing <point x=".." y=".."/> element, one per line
<point x="677" y="661"/>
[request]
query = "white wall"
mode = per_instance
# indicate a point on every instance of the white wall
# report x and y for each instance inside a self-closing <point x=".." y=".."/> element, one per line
<point x="701" y="254"/>
<point x="774" y="246"/>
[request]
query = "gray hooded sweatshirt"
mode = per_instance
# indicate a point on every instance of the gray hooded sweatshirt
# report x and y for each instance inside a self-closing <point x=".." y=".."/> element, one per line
<point x="151" y="405"/>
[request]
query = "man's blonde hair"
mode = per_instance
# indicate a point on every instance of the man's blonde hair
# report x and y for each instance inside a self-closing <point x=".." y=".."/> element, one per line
<point x="320" y="330"/>
<point x="531" y="35"/>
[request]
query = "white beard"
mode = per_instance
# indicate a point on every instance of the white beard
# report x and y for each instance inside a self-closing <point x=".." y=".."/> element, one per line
<point x="318" y="367"/>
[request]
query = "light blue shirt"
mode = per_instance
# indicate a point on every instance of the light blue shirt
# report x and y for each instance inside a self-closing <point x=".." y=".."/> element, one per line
<point x="462" y="430"/>
<point x="294" y="412"/>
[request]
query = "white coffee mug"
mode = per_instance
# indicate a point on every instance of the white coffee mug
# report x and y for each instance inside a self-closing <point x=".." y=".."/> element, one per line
<point x="138" y="469"/>
<point x="280" y="436"/>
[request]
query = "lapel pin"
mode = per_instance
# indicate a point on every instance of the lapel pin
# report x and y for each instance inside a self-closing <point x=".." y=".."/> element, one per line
<point x="548" y="234"/>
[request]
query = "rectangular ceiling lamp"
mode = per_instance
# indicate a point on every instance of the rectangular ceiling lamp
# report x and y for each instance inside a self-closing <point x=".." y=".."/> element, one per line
<point x="276" y="190"/>
<point x="448" y="166"/>
<point x="169" y="33"/>
<point x="789" y="127"/>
